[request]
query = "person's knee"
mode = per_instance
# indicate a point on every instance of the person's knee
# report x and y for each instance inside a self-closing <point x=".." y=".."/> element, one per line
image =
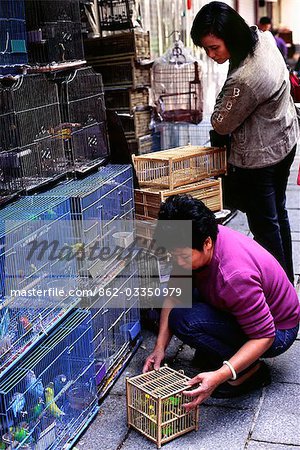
<point x="177" y="321"/>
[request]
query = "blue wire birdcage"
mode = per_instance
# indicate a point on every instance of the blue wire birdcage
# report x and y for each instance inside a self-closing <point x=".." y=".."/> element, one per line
<point x="181" y="134"/>
<point x="12" y="9"/>
<point x="101" y="205"/>
<point x="13" y="51"/>
<point x="115" y="315"/>
<point x="36" y="285"/>
<point x="49" y="399"/>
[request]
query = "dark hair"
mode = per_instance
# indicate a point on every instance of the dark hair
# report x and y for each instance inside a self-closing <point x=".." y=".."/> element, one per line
<point x="172" y="230"/>
<point x="265" y="20"/>
<point x="225" y="23"/>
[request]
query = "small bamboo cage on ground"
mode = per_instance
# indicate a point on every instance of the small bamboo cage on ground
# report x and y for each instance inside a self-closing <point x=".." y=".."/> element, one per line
<point x="154" y="405"/>
<point x="179" y="166"/>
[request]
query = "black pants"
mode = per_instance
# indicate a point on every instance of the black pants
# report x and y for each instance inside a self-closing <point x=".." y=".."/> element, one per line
<point x="263" y="199"/>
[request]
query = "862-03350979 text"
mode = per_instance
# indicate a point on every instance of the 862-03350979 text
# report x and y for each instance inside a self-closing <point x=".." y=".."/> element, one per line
<point x="140" y="292"/>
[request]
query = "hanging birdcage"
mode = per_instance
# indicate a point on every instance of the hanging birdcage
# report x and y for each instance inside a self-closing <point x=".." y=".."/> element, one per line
<point x="177" y="85"/>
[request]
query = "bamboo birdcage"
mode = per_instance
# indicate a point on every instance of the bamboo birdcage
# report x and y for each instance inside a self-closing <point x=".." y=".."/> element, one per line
<point x="179" y="166"/>
<point x="148" y="201"/>
<point x="154" y="405"/>
<point x="177" y="86"/>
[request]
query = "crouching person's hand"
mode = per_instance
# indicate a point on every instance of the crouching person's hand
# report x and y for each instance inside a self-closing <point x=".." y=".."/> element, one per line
<point x="205" y="383"/>
<point x="154" y="360"/>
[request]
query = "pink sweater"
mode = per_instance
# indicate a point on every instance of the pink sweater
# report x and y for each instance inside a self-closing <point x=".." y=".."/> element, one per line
<point x="245" y="280"/>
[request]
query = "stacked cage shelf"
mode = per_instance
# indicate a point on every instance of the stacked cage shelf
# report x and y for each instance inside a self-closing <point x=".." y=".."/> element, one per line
<point x="59" y="310"/>
<point x="35" y="281"/>
<point x="116" y="14"/>
<point x="101" y="204"/>
<point x="31" y="146"/>
<point x="102" y="210"/>
<point x="115" y="319"/>
<point x="51" y="397"/>
<point x="53" y="32"/>
<point x="122" y="59"/>
<point x="182" y="170"/>
<point x="83" y="118"/>
<point x="13" y="51"/>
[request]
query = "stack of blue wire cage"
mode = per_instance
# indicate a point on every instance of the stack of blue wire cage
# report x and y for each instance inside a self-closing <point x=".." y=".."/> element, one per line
<point x="69" y="318"/>
<point x="13" y="51"/>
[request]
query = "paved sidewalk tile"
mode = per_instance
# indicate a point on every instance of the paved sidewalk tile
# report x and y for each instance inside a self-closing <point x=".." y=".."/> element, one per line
<point x="279" y="418"/>
<point x="220" y="429"/>
<point x="294" y="217"/>
<point x="286" y="366"/>
<point x="109" y="428"/>
<point x="254" y="445"/>
<point x="293" y="197"/>
<point x="239" y="223"/>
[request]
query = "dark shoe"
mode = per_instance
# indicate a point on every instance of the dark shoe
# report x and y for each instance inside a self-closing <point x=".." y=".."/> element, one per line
<point x="203" y="362"/>
<point x="259" y="379"/>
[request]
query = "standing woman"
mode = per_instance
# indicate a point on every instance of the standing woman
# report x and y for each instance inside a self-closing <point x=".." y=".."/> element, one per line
<point x="256" y="108"/>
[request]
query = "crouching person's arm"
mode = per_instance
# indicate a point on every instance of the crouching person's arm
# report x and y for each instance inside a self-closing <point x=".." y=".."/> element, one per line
<point x="164" y="336"/>
<point x="207" y="382"/>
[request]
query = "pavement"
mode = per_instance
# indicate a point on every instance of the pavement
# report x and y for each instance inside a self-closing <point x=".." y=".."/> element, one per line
<point x="267" y="419"/>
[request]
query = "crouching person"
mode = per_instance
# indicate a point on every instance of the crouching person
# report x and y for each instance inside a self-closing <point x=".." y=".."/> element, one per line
<point x="244" y="307"/>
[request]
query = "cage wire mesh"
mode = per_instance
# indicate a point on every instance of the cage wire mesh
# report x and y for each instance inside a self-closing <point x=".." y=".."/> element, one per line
<point x="39" y="12"/>
<point x="181" y="134"/>
<point x="13" y="51"/>
<point x="83" y="117"/>
<point x="101" y="205"/>
<point x="154" y="405"/>
<point x="54" y="31"/>
<point x="115" y="316"/>
<point x="24" y="316"/>
<point x="124" y="73"/>
<point x="116" y="14"/>
<point x="177" y="86"/>
<point x="130" y="43"/>
<point x="150" y="281"/>
<point x="31" y="146"/>
<point x="179" y="166"/>
<point x="52" y="395"/>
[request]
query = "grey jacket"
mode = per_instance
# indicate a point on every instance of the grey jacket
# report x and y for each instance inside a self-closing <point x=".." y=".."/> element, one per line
<point x="255" y="106"/>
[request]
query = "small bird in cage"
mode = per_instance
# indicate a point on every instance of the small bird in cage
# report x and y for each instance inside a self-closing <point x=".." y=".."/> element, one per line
<point x="33" y="268"/>
<point x="50" y="403"/>
<point x="34" y="386"/>
<point x="37" y="410"/>
<point x="25" y="325"/>
<point x="21" y="433"/>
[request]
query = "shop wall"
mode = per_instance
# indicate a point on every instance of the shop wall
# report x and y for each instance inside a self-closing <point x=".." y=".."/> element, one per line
<point x="246" y="9"/>
<point x="290" y="17"/>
